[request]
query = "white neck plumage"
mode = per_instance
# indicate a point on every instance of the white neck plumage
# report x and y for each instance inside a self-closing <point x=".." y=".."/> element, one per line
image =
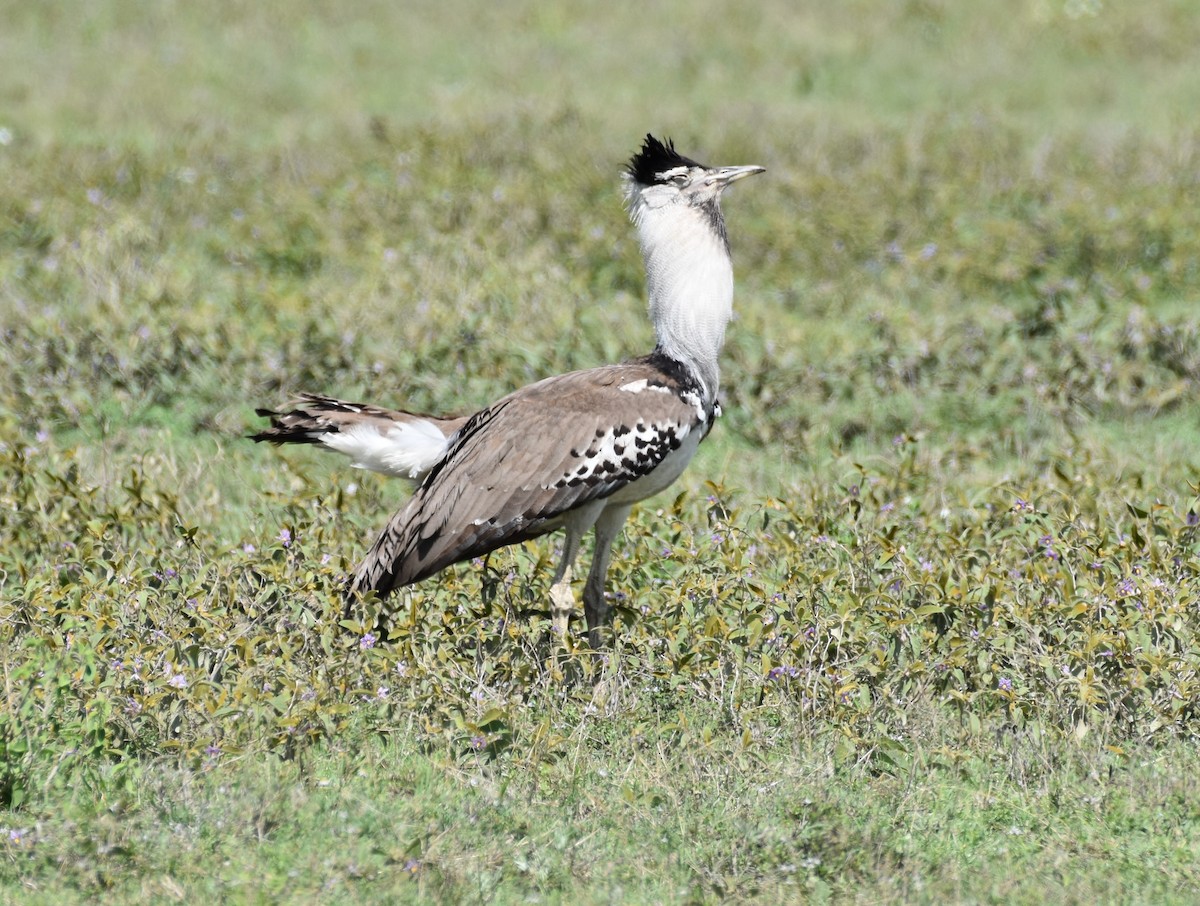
<point x="689" y="278"/>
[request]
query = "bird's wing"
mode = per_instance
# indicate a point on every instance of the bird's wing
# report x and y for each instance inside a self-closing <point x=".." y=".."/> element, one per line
<point x="519" y="464"/>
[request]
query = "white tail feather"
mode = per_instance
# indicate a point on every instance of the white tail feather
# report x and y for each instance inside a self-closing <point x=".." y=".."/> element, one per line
<point x="406" y="450"/>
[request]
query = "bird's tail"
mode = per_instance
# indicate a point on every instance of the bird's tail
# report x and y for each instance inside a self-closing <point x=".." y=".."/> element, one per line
<point x="389" y="441"/>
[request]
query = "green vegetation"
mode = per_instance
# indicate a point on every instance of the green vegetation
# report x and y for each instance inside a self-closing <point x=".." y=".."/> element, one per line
<point x="920" y="624"/>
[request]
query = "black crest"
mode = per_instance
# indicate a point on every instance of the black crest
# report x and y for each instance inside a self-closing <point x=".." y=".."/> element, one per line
<point x="656" y="158"/>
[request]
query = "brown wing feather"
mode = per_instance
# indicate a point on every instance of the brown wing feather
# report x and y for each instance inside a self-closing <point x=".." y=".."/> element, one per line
<point x="518" y="465"/>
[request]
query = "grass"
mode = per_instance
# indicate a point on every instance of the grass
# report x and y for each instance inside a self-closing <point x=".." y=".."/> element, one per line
<point x="406" y="830"/>
<point x="918" y="625"/>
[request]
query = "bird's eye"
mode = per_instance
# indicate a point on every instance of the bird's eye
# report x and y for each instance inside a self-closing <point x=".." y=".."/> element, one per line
<point x="680" y="179"/>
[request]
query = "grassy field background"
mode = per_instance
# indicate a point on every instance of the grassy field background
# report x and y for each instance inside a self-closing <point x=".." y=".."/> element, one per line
<point x="918" y="625"/>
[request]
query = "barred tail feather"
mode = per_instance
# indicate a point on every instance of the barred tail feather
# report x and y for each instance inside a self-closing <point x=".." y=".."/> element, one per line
<point x="391" y="442"/>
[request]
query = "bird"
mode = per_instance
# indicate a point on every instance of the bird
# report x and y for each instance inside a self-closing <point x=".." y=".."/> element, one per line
<point x="573" y="451"/>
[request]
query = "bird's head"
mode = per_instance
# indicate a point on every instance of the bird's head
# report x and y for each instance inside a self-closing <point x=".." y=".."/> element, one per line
<point x="675" y="204"/>
<point x="658" y="176"/>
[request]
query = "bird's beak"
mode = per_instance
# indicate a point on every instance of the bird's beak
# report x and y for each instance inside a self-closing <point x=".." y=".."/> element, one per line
<point x="723" y="176"/>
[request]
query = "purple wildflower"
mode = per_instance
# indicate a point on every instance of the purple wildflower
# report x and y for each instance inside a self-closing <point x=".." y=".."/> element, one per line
<point x="367" y="641"/>
<point x="1004" y="684"/>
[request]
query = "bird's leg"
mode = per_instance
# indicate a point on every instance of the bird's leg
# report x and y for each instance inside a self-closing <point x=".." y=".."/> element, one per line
<point x="562" y="598"/>
<point x="595" y="608"/>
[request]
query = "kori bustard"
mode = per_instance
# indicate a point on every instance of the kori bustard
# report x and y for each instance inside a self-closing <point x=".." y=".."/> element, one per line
<point x="574" y="451"/>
